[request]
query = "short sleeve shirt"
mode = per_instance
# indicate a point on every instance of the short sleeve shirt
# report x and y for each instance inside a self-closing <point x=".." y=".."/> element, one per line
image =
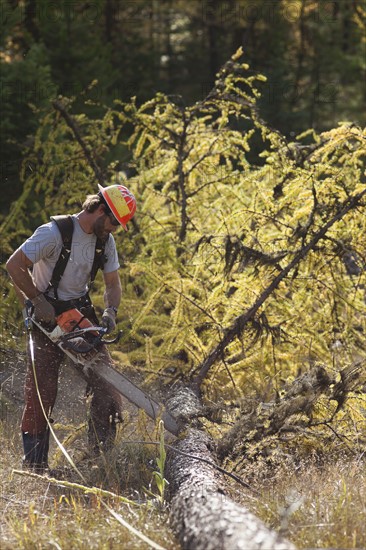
<point x="43" y="250"/>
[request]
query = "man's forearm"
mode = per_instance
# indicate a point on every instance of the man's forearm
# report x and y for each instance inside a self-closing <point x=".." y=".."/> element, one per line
<point x="113" y="289"/>
<point x="112" y="296"/>
<point x="24" y="285"/>
<point x="19" y="293"/>
<point x="19" y="273"/>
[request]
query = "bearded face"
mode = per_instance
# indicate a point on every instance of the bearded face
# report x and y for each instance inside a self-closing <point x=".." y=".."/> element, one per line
<point x="101" y="228"/>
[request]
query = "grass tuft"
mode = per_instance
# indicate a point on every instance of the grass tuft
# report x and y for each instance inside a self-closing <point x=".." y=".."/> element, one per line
<point x="37" y="514"/>
<point x="315" y="504"/>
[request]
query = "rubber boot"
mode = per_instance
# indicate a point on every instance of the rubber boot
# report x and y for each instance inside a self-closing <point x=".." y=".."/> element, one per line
<point x="36" y="451"/>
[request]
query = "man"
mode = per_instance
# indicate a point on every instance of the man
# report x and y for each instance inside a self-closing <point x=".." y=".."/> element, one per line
<point x="32" y="269"/>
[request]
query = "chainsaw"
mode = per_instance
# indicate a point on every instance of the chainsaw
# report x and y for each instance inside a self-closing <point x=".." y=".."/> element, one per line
<point x="83" y="342"/>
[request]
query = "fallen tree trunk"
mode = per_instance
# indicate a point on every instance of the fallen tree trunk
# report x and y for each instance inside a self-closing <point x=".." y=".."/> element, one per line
<point x="202" y="514"/>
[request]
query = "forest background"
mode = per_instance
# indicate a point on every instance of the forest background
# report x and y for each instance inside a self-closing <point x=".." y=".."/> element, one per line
<point x="243" y="163"/>
<point x="311" y="52"/>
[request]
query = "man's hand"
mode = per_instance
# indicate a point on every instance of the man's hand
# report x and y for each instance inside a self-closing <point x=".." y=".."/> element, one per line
<point x="43" y="310"/>
<point x="109" y="319"/>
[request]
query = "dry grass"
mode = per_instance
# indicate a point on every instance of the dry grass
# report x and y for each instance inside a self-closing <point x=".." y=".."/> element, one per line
<point x="37" y="514"/>
<point x="315" y="505"/>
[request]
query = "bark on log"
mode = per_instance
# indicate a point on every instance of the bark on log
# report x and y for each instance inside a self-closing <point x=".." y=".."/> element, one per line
<point x="202" y="514"/>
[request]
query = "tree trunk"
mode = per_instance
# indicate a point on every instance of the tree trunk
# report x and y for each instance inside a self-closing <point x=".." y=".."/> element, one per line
<point x="202" y="514"/>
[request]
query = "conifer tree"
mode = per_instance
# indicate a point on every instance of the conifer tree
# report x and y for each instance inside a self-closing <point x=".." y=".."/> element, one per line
<point x="223" y="230"/>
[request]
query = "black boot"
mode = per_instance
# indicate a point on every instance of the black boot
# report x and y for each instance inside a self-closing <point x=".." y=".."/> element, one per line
<point x="36" y="451"/>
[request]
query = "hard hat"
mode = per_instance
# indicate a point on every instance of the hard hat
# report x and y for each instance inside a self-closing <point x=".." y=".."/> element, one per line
<point x="121" y="202"/>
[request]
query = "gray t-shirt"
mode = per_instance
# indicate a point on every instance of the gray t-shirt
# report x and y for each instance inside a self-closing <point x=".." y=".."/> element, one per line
<point x="43" y="249"/>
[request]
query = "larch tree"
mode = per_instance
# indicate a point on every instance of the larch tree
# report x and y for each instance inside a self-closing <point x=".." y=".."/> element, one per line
<point x="227" y="208"/>
<point x="244" y="277"/>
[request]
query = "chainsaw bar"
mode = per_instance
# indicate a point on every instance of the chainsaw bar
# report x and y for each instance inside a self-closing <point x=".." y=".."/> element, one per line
<point x="89" y="363"/>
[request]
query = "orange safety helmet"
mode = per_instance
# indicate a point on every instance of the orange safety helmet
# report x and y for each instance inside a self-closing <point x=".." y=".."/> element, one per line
<point x="121" y="202"/>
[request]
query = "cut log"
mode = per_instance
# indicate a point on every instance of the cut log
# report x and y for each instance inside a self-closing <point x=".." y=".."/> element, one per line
<point x="202" y="514"/>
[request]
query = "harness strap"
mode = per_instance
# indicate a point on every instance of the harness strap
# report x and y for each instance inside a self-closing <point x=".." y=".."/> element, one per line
<point x="65" y="225"/>
<point x="66" y="228"/>
<point x="99" y="259"/>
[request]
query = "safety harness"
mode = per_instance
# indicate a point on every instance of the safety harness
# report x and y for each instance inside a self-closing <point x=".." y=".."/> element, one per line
<point x="65" y="225"/>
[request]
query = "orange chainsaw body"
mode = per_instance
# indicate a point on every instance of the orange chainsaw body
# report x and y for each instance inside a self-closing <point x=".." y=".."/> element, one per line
<point x="71" y="320"/>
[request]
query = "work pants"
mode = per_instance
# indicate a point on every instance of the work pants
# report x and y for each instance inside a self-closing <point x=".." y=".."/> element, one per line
<point x="42" y="381"/>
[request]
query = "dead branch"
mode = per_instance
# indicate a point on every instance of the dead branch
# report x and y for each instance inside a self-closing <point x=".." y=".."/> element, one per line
<point x="76" y="131"/>
<point x="239" y="324"/>
<point x="293" y="411"/>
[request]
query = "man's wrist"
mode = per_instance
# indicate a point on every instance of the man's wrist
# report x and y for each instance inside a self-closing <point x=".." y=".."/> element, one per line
<point x="35" y="294"/>
<point x="114" y="309"/>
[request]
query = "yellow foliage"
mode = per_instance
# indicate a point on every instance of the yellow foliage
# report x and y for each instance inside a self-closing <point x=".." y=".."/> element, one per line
<point x="215" y="229"/>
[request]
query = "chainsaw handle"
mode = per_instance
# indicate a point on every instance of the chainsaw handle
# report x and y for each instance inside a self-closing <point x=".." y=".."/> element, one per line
<point x="100" y="330"/>
<point x="66" y="340"/>
<point x="81" y="331"/>
<point x="113" y="340"/>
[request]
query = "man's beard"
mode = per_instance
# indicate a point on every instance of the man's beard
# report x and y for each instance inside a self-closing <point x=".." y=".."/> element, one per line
<point x="100" y="230"/>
